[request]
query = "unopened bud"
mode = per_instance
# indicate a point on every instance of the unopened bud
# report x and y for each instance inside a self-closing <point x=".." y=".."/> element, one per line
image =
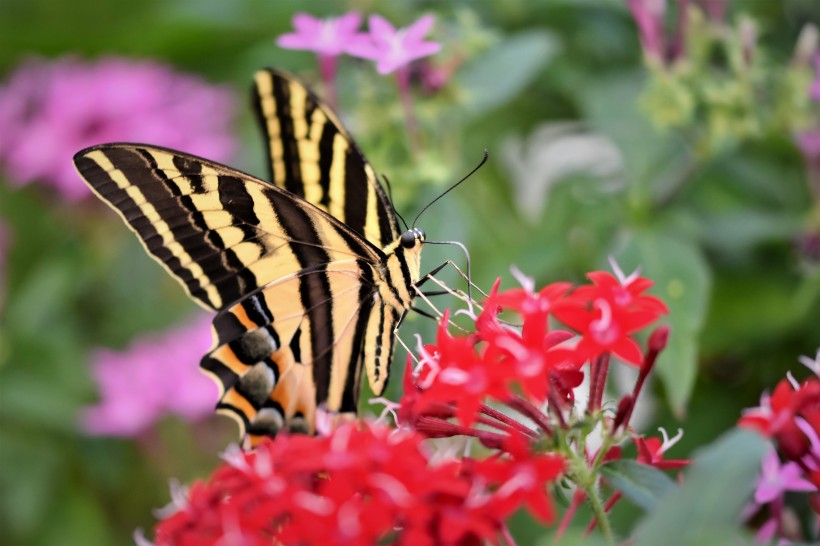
<point x="624" y="412"/>
<point x="658" y="339"/>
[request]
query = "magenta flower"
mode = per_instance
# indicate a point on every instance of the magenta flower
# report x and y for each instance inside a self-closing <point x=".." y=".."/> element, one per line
<point x="51" y="109"/>
<point x="154" y="376"/>
<point x="393" y="48"/>
<point x="814" y="90"/>
<point x="331" y="36"/>
<point x="649" y="15"/>
<point x="328" y="38"/>
<point x="777" y="478"/>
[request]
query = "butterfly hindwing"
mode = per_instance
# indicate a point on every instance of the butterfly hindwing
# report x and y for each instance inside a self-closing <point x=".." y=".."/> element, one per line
<point x="313" y="348"/>
<point x="312" y="155"/>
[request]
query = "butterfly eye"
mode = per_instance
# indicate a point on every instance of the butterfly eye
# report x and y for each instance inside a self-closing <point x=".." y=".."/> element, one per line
<point x="408" y="239"/>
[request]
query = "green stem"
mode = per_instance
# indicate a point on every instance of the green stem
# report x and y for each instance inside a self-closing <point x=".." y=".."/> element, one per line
<point x="586" y="479"/>
<point x="600" y="513"/>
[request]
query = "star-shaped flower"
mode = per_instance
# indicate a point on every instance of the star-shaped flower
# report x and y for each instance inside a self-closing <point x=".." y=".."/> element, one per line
<point x="330" y="36"/>
<point x="394" y="48"/>
<point x="777" y="478"/>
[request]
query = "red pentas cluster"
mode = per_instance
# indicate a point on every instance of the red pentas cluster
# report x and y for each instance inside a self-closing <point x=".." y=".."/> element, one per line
<point x="527" y="365"/>
<point x="790" y="418"/>
<point x="781" y="414"/>
<point x="363" y="484"/>
<point x="366" y="484"/>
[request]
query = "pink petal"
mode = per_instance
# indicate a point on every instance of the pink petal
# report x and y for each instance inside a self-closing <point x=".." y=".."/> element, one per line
<point x="295" y="41"/>
<point x="349" y="23"/>
<point x="307" y="24"/>
<point x="418" y="30"/>
<point x="380" y="28"/>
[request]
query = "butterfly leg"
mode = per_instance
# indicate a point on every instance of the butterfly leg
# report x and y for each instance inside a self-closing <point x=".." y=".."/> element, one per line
<point x="431" y="276"/>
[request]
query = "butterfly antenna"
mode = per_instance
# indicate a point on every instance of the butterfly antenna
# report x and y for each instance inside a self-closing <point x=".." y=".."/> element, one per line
<point x="390" y="198"/>
<point x="451" y="188"/>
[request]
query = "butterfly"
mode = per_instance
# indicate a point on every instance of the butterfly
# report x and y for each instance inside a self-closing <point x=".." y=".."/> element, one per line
<point x="309" y="272"/>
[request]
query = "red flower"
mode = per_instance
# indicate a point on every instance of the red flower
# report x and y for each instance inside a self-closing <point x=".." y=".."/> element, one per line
<point x="456" y="370"/>
<point x="360" y="485"/>
<point x="775" y="417"/>
<point x="651" y="450"/>
<point x="607" y="312"/>
<point x="522" y="478"/>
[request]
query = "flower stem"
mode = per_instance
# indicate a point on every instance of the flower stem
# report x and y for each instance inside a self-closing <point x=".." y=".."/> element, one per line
<point x="577" y="499"/>
<point x="403" y="83"/>
<point x="327" y="68"/>
<point x="600" y="514"/>
<point x="586" y="479"/>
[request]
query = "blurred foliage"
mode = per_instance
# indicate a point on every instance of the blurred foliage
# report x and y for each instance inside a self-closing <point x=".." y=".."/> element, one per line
<point x="714" y="230"/>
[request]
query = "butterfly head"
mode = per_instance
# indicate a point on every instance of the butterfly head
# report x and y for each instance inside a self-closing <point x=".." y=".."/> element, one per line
<point x="412" y="237"/>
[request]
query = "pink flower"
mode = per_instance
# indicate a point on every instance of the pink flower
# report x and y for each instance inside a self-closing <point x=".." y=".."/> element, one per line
<point x="51" y="109"/>
<point x="648" y="15"/>
<point x="393" y="48"/>
<point x="814" y="90"/>
<point x="331" y="36"/>
<point x="777" y="478"/>
<point x="155" y="375"/>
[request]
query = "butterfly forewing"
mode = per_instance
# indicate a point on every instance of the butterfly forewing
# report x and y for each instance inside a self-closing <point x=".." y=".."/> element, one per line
<point x="312" y="155"/>
<point x="307" y="272"/>
<point x="222" y="233"/>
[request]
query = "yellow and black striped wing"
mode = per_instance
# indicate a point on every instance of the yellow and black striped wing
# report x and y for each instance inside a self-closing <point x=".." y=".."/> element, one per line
<point x="298" y="344"/>
<point x="311" y="155"/>
<point x="220" y="232"/>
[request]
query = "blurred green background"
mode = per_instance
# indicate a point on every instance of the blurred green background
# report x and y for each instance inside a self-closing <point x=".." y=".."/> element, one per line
<point x="688" y="170"/>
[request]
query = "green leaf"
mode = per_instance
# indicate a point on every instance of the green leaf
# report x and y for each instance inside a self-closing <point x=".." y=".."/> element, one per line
<point x="714" y="491"/>
<point x="499" y="75"/>
<point x="652" y="157"/>
<point x="683" y="281"/>
<point x="644" y="485"/>
<point x="572" y="538"/>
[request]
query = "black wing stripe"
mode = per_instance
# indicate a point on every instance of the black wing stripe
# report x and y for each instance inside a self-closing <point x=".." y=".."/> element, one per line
<point x="311" y="154"/>
<point x="93" y="168"/>
<point x="313" y="289"/>
<point x="290" y="148"/>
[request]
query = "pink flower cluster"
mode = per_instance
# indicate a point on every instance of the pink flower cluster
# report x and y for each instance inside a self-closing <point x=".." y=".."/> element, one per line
<point x="363" y="485"/>
<point x="156" y="375"/>
<point x="51" y="109"/>
<point x="389" y="47"/>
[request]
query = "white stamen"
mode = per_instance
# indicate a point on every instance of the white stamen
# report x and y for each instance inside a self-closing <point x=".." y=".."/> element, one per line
<point x="527" y="283"/>
<point x="139" y="538"/>
<point x="812" y="364"/>
<point x="314" y="503"/>
<point x="179" y="500"/>
<point x="235" y="457"/>
<point x="389" y="407"/>
<point x="619" y="273"/>
<point x="454" y="376"/>
<point x="667" y="441"/>
<point x="794" y="382"/>
<point x="392" y="487"/>
<point x="523" y="479"/>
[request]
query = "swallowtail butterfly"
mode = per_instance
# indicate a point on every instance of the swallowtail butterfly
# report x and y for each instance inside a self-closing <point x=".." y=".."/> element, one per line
<point x="309" y="272"/>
